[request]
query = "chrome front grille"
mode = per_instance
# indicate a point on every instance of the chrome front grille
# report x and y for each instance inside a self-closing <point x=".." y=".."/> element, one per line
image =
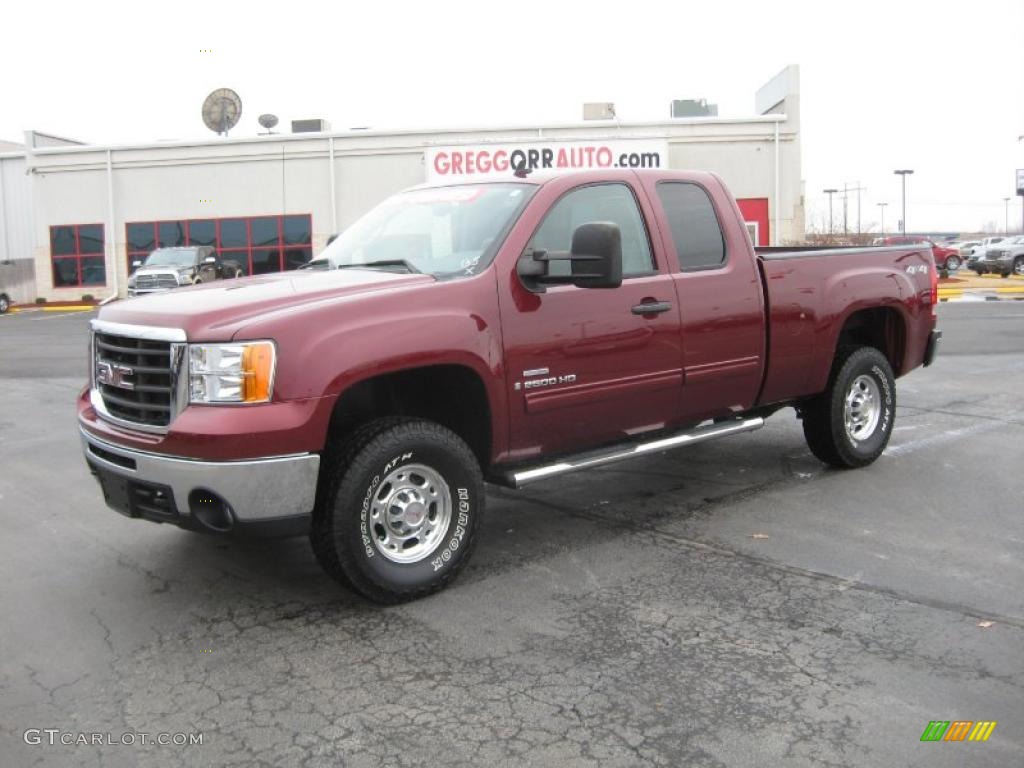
<point x="155" y="282"/>
<point x="136" y="377"/>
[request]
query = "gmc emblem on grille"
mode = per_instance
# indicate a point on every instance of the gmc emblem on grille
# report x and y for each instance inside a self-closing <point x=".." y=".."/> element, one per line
<point x="114" y="375"/>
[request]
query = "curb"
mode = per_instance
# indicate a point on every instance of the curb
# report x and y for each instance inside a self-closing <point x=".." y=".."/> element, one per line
<point x="66" y="308"/>
<point x="981" y="295"/>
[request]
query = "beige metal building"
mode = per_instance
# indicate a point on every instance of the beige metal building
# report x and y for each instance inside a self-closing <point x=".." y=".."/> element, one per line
<point x="74" y="217"/>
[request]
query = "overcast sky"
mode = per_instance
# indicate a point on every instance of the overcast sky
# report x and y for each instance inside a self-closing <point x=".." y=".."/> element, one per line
<point x="936" y="87"/>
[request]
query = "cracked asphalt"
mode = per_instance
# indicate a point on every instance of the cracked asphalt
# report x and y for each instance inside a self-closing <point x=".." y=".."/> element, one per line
<point x="730" y="604"/>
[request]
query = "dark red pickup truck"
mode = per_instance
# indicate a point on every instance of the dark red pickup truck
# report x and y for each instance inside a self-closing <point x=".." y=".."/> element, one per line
<point x="501" y="332"/>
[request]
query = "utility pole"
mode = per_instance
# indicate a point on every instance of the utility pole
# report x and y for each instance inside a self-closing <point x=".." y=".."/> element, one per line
<point x="1006" y="215"/>
<point x="846" y="229"/>
<point x="830" y="192"/>
<point x="881" y="211"/>
<point x="903" y="173"/>
<point x="846" y="190"/>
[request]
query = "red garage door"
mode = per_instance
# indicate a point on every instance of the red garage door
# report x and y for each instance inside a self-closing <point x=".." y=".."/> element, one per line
<point x="755" y="214"/>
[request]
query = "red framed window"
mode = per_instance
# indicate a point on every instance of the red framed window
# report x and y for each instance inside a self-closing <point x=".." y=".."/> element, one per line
<point x="76" y="254"/>
<point x="254" y="244"/>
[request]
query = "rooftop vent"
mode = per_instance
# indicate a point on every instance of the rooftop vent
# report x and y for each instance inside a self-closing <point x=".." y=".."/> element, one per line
<point x="599" y="110"/>
<point x="310" y="126"/>
<point x="693" y="108"/>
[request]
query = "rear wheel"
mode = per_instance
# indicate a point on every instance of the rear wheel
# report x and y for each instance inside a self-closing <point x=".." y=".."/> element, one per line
<point x="850" y="423"/>
<point x="398" y="508"/>
<point x="5" y="303"/>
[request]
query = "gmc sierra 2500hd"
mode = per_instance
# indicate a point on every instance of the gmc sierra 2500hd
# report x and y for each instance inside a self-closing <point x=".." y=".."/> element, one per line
<point x="505" y="332"/>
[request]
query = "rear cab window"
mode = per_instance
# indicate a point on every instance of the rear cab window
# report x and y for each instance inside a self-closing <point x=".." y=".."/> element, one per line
<point x="697" y="236"/>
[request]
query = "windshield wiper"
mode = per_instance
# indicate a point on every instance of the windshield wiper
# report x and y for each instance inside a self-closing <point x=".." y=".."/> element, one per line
<point x="407" y="265"/>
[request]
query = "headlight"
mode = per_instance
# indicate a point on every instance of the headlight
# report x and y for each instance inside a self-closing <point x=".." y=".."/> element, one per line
<point x="185" y="277"/>
<point x="231" y="373"/>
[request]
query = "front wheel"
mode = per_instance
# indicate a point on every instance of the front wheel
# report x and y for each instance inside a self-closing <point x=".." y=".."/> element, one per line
<point x="1018" y="266"/>
<point x="850" y="423"/>
<point x="953" y="263"/>
<point x="398" y="508"/>
<point x="5" y="303"/>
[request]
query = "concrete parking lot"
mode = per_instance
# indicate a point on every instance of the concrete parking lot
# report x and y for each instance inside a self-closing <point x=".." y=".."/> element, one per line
<point x="732" y="604"/>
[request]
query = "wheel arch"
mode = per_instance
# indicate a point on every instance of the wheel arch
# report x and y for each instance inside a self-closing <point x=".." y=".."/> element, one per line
<point x="881" y="326"/>
<point x="452" y="394"/>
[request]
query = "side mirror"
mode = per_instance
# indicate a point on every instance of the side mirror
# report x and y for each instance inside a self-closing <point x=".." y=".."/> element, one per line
<point x="210" y="260"/>
<point x="595" y="260"/>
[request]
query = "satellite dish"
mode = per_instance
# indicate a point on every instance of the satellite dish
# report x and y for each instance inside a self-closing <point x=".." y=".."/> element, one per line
<point x="268" y="121"/>
<point x="221" y="110"/>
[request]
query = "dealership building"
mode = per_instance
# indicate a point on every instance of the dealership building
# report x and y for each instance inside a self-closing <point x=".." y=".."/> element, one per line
<point x="74" y="217"/>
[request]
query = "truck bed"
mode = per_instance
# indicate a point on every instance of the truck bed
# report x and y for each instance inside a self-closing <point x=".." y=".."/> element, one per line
<point x="803" y="288"/>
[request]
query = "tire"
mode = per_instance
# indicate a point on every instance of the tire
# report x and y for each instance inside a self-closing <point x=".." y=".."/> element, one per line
<point x="5" y="303"/>
<point x="1018" y="266"/>
<point x="864" y="375"/>
<point x="397" y="465"/>
<point x="978" y="272"/>
<point x="953" y="263"/>
<point x="197" y="281"/>
<point x="1004" y="275"/>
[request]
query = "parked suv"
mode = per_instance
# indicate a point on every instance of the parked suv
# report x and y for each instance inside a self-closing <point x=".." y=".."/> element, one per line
<point x="978" y="252"/>
<point x="1004" y="258"/>
<point x="167" y="268"/>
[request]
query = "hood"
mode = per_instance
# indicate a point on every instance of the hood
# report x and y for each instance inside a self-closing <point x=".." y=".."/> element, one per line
<point x="215" y="311"/>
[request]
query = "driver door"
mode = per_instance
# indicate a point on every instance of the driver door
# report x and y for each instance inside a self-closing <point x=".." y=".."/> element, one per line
<point x="587" y="366"/>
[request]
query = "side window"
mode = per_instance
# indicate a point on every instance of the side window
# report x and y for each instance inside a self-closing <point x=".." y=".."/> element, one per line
<point x="599" y="202"/>
<point x="695" y="230"/>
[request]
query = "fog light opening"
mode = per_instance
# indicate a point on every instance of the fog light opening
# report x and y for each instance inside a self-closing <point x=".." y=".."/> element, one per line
<point x="210" y="510"/>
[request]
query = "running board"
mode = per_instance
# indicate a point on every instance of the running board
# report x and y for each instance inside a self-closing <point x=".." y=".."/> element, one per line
<point x="517" y="478"/>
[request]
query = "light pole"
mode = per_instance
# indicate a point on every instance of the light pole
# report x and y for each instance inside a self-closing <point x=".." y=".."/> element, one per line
<point x="830" y="192"/>
<point x="881" y="212"/>
<point x="903" y="173"/>
<point x="1006" y="215"/>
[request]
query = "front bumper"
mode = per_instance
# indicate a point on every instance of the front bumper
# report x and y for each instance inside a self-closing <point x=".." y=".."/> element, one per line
<point x="146" y="291"/>
<point x="933" y="345"/>
<point x="266" y="496"/>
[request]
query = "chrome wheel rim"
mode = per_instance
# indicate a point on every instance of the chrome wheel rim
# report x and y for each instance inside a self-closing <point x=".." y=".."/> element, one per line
<point x="953" y="263"/>
<point x="410" y="512"/>
<point x="862" y="408"/>
<point x="1018" y="267"/>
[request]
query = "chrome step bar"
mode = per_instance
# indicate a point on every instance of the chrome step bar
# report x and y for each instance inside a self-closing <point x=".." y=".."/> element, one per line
<point x="517" y="478"/>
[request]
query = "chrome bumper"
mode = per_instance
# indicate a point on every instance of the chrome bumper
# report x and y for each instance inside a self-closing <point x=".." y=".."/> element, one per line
<point x="254" y="490"/>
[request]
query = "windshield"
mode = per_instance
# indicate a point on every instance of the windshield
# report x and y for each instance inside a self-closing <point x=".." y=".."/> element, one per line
<point x="171" y="257"/>
<point x="444" y="231"/>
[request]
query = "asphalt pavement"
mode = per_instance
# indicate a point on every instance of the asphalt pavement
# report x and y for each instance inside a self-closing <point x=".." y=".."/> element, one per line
<point x="730" y="604"/>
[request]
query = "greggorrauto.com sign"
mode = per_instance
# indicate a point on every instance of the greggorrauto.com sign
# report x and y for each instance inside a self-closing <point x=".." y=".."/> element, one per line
<point x="469" y="162"/>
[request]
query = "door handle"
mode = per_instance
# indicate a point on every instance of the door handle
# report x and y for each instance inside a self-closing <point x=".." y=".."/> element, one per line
<point x="651" y="308"/>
